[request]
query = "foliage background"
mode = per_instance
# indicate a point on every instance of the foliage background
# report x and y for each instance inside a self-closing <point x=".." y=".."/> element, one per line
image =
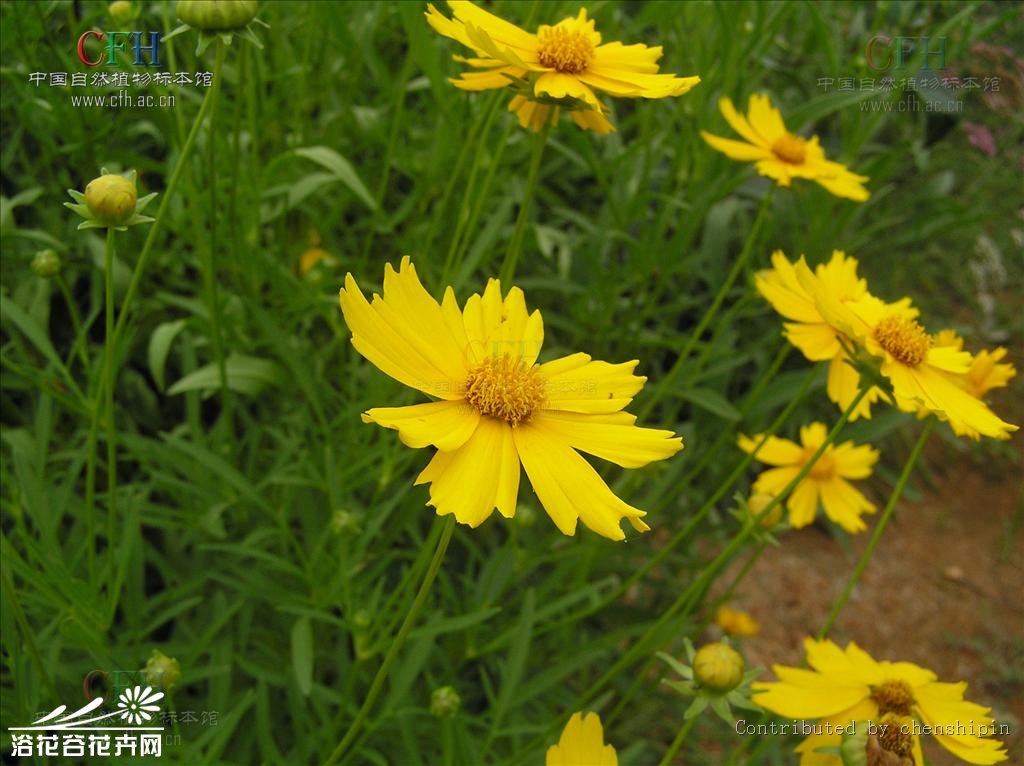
<point x="268" y="539"/>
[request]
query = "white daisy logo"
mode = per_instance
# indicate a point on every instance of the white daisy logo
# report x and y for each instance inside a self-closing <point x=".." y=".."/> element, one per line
<point x="137" y="704"/>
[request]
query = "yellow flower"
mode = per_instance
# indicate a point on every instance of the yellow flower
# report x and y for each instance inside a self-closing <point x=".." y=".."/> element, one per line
<point x="560" y="65"/>
<point x="848" y="685"/>
<point x="826" y="482"/>
<point x="808" y="330"/>
<point x="582" y="744"/>
<point x="498" y="407"/>
<point x="779" y="154"/>
<point x="922" y="374"/>
<point x="987" y="370"/>
<point x="718" y="667"/>
<point x="736" y="622"/>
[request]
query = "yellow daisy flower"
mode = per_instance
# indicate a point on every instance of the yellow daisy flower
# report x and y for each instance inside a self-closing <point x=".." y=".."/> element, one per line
<point x="847" y="685"/>
<point x="582" y="744"/>
<point x="826" y="482"/>
<point x="498" y="407"/>
<point x="808" y="330"/>
<point x="564" y="64"/>
<point x="921" y="373"/>
<point x="779" y="154"/>
<point x="987" y="370"/>
<point x="736" y="622"/>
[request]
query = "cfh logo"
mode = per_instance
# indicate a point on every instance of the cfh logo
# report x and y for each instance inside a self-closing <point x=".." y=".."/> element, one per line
<point x="884" y="52"/>
<point x="112" y="42"/>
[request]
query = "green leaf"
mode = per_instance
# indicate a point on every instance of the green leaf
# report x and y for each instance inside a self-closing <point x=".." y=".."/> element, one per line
<point x="713" y="402"/>
<point x="245" y="375"/>
<point x="302" y="654"/>
<point x="159" y="346"/>
<point x="340" y="167"/>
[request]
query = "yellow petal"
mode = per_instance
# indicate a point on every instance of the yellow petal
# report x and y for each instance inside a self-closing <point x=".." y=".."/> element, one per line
<point x="931" y="388"/>
<point x="482" y="316"/>
<point x="803" y="503"/>
<point x="736" y="150"/>
<point x="479" y="476"/>
<point x="610" y="437"/>
<point x="818" y="342"/>
<point x="774" y="480"/>
<point x="844" y="384"/>
<point x="780" y="286"/>
<point x="582" y="744"/>
<point x="813" y="435"/>
<point x="579" y="384"/>
<point x="533" y="114"/>
<point x="559" y="85"/>
<point x="739" y="123"/>
<point x="446" y="425"/>
<point x="775" y="451"/>
<point x="518" y="334"/>
<point x="497" y="78"/>
<point x="569" y="488"/>
<point x="765" y="118"/>
<point x="500" y="31"/>
<point x="808" y="750"/>
<point x="397" y="351"/>
<point x="958" y="723"/>
<point x="636" y="58"/>
<point x="623" y="82"/>
<point x="844" y="504"/>
<point x="854" y="462"/>
<point x="592" y="119"/>
<point x="806" y="694"/>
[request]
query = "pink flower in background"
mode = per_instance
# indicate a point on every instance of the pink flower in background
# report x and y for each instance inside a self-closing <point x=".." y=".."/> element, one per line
<point x="981" y="137"/>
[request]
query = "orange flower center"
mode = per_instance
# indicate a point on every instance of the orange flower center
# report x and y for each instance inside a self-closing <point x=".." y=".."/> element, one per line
<point x="791" y="149"/>
<point x="893" y="696"/>
<point x="825" y="468"/>
<point x="504" y="388"/>
<point x="904" y="339"/>
<point x="564" y="48"/>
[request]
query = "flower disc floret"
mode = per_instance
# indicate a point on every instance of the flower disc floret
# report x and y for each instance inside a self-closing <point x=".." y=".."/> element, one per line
<point x="505" y="388"/>
<point x="904" y="339"/>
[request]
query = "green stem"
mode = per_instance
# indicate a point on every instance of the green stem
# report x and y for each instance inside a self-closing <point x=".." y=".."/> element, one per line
<point x="172" y="185"/>
<point x="396" y="645"/>
<point x="678" y="742"/>
<point x="108" y="398"/>
<point x="876" y="535"/>
<point x="515" y="245"/>
<point x="78" y="347"/>
<point x="208" y="262"/>
<point x="686" y="600"/>
<point x="723" y="291"/>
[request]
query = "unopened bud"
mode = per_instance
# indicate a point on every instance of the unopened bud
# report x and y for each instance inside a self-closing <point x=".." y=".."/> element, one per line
<point x="758" y="502"/>
<point x="162" y="672"/>
<point x="121" y="10"/>
<point x="217" y="15"/>
<point x="444" y="702"/>
<point x="46" y="264"/>
<point x="718" y="667"/>
<point x="111" y="199"/>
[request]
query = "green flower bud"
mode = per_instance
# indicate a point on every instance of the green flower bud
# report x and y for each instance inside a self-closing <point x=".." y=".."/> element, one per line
<point x="46" y="264"/>
<point x="718" y="667"/>
<point x="444" y="702"/>
<point x="111" y="199"/>
<point x="854" y="747"/>
<point x="121" y="11"/>
<point x="162" y="672"/>
<point x="217" y="15"/>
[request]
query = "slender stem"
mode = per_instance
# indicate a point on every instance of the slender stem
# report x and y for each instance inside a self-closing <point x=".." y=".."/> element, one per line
<point x="78" y="347"/>
<point x="108" y="398"/>
<point x="678" y="742"/>
<point x="515" y="245"/>
<point x="737" y="267"/>
<point x="208" y="262"/>
<point x="688" y="597"/>
<point x="172" y="185"/>
<point x="876" y="535"/>
<point x="396" y="645"/>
